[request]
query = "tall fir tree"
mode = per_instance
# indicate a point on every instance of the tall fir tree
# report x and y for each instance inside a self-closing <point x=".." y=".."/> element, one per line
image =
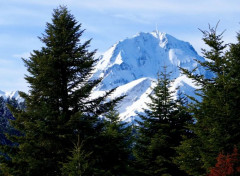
<point x="217" y="114"/>
<point x="79" y="163"/>
<point x="58" y="107"/>
<point x="110" y="153"/>
<point x="115" y="147"/>
<point x="160" y="131"/>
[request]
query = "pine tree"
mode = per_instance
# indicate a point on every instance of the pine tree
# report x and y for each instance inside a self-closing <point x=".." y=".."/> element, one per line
<point x="114" y="147"/>
<point x="78" y="164"/>
<point x="110" y="151"/>
<point x="58" y="107"/>
<point x="160" y="131"/>
<point x="217" y="114"/>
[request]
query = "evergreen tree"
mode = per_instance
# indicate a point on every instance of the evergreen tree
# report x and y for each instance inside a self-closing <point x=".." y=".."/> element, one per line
<point x="110" y="151"/>
<point x="58" y="107"/>
<point x="160" y="131"/>
<point x="5" y="116"/>
<point x="114" y="147"/>
<point x="217" y="114"/>
<point x="78" y="164"/>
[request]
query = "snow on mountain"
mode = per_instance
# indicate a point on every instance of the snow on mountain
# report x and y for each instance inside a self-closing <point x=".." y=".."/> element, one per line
<point x="132" y="66"/>
<point x="13" y="94"/>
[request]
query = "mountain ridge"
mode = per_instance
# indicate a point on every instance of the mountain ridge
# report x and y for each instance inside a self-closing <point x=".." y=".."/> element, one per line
<point x="138" y="60"/>
<point x="144" y="55"/>
<point x="132" y="65"/>
<point x="11" y="94"/>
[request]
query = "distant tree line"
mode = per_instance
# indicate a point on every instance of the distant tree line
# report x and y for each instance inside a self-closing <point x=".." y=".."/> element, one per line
<point x="61" y="131"/>
<point x="5" y="116"/>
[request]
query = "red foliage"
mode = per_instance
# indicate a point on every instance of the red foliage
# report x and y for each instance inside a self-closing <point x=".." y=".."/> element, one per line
<point x="227" y="165"/>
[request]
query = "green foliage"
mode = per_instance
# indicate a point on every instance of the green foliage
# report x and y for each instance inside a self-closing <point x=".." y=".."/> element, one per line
<point x="59" y="114"/>
<point x="78" y="163"/>
<point x="114" y="147"/>
<point x="217" y="115"/>
<point x="58" y="107"/>
<point x="188" y="157"/>
<point x="5" y="116"/>
<point x="160" y="131"/>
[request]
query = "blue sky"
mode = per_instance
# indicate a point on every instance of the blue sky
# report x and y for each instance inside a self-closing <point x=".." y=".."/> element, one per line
<point x="106" y="22"/>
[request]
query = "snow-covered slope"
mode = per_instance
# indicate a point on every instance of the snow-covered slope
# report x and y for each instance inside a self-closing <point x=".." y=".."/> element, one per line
<point x="13" y="94"/>
<point x="132" y="66"/>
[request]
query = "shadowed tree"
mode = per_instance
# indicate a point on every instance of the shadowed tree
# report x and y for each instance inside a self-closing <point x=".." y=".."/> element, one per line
<point x="160" y="131"/>
<point x="58" y="107"/>
<point x="217" y="114"/>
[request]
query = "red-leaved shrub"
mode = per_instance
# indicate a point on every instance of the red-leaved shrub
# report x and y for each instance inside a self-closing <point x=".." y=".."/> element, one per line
<point x="227" y="165"/>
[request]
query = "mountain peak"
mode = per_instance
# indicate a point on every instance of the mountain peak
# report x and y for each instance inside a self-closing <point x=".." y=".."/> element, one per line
<point x="164" y="40"/>
<point x="143" y="55"/>
<point x="132" y="65"/>
<point x="12" y="94"/>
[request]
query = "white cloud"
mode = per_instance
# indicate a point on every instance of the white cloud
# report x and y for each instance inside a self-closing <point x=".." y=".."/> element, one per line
<point x="143" y="19"/>
<point x="183" y="6"/>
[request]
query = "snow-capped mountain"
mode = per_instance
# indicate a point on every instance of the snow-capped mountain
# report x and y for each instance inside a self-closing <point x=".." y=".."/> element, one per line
<point x="13" y="94"/>
<point x="132" y="66"/>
